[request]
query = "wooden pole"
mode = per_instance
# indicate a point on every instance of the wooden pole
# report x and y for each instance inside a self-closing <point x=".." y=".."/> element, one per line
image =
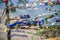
<point x="7" y="20"/>
<point x="9" y="34"/>
<point x="7" y="13"/>
<point x="0" y="19"/>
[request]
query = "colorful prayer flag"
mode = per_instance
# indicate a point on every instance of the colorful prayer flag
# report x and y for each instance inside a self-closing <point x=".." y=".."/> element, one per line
<point x="42" y="1"/>
<point x="46" y="20"/>
<point x="49" y="1"/>
<point x="57" y="1"/>
<point x="41" y="22"/>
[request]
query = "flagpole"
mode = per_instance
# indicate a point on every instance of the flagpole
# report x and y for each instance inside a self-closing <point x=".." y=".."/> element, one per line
<point x="7" y="13"/>
<point x="7" y="20"/>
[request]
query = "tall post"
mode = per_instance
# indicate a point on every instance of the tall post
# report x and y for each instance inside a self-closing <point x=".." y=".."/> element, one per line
<point x="7" y="13"/>
<point x="7" y="20"/>
<point x="0" y="19"/>
<point x="9" y="34"/>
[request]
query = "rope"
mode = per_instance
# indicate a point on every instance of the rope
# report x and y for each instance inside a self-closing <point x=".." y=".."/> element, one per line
<point x="3" y="13"/>
<point x="11" y="2"/>
<point x="2" y="16"/>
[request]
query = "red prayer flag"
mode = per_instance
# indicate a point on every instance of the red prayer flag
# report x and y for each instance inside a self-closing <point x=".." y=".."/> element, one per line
<point x="5" y="1"/>
<point x="49" y="0"/>
<point x="57" y="1"/>
<point x="42" y="1"/>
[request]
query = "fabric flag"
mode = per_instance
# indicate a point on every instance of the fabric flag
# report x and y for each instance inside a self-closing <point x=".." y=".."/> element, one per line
<point x="49" y="1"/>
<point x="46" y="20"/>
<point x="41" y="22"/>
<point x="38" y="0"/>
<point x="57" y="1"/>
<point x="54" y="3"/>
<point x="42" y="1"/>
<point x="35" y="0"/>
<point x="56" y="14"/>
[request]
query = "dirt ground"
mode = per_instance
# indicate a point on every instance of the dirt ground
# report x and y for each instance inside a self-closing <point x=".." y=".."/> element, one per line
<point x="22" y="34"/>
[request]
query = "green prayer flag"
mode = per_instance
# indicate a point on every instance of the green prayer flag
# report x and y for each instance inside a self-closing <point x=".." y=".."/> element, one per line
<point x="46" y="20"/>
<point x="38" y="0"/>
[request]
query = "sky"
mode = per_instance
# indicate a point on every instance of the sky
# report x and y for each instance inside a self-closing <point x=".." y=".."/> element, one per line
<point x="32" y="11"/>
